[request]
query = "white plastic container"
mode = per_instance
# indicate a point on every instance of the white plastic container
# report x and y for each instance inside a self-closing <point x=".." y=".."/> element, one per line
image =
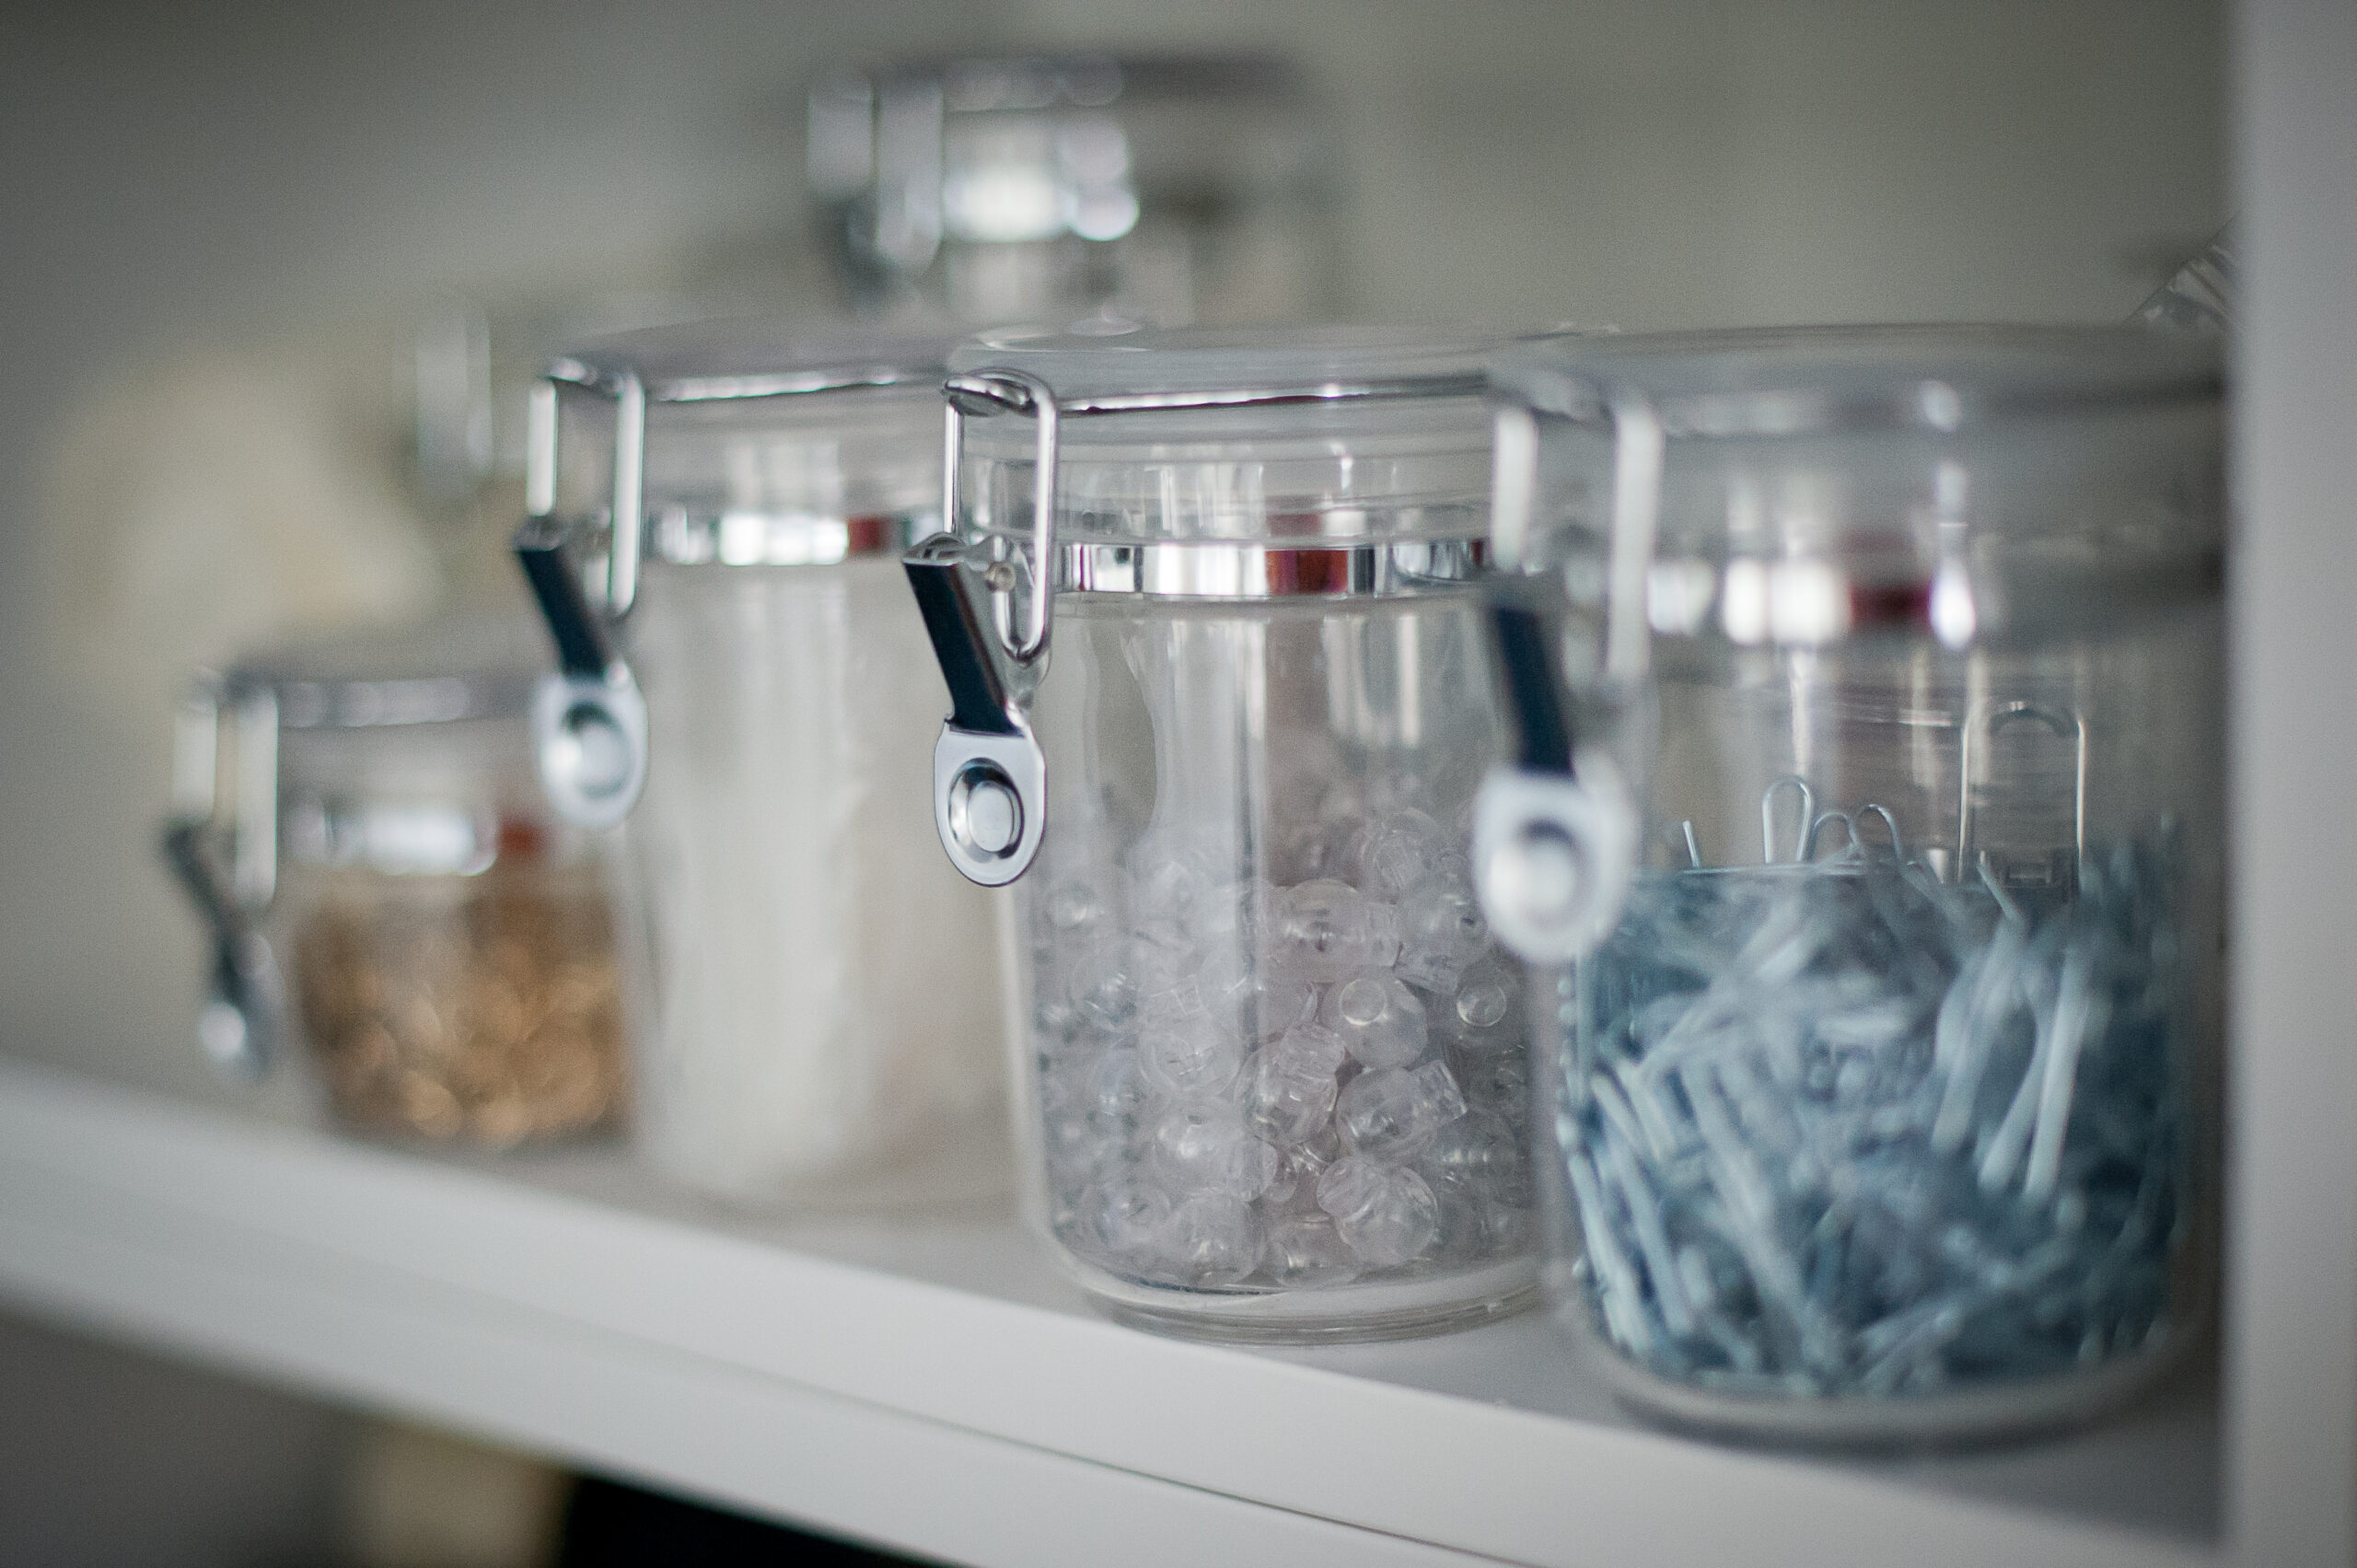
<point x="813" y="995"/>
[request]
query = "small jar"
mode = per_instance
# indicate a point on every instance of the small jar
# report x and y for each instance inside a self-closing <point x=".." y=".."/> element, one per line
<point x="1870" y="749"/>
<point x="1275" y="1079"/>
<point x="387" y="891"/>
<point x="1040" y="188"/>
<point x="814" y="995"/>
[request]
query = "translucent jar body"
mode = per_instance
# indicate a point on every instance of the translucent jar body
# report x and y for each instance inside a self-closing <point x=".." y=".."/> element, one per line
<point x="816" y="994"/>
<point x="1882" y="1114"/>
<point x="449" y="951"/>
<point x="1275" y="1079"/>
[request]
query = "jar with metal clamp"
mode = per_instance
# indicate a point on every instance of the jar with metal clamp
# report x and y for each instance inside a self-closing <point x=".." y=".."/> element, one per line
<point x="1042" y="187"/>
<point x="386" y="890"/>
<point x="1868" y="735"/>
<point x="720" y="512"/>
<point x="1273" y="1071"/>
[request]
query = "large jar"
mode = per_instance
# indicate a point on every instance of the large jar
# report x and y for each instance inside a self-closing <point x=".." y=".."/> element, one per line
<point x="387" y="892"/>
<point x="1870" y="744"/>
<point x="1274" y="1075"/>
<point x="1039" y="188"/>
<point x="814" y="996"/>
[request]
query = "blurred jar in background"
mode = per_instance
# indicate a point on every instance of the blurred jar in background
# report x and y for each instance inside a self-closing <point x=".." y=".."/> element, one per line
<point x="1170" y="189"/>
<point x="386" y="890"/>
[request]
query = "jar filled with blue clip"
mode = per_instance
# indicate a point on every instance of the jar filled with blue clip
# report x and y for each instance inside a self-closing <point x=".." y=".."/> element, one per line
<point x="1884" y="1116"/>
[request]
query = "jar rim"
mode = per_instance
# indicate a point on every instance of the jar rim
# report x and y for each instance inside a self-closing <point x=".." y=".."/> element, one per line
<point x="446" y="670"/>
<point x="1110" y="365"/>
<point x="1798" y="381"/>
<point x="752" y="357"/>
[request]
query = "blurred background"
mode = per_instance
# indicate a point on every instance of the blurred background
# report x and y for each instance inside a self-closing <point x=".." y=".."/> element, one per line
<point x="266" y="265"/>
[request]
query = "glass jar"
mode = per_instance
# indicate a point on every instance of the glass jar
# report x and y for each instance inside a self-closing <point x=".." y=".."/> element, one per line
<point x="385" y="887"/>
<point x="1274" y="1079"/>
<point x="1027" y="188"/>
<point x="1870" y="783"/>
<point x="814" y="995"/>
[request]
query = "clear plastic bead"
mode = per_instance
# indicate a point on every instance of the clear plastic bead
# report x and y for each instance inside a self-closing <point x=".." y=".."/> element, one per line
<point x="1397" y="851"/>
<point x="1128" y="1218"/>
<point x="1326" y="930"/>
<point x="1193" y="1059"/>
<point x="1306" y="1249"/>
<point x="1480" y="1151"/>
<point x="1441" y="932"/>
<point x="1207" y="1148"/>
<point x="1104" y="986"/>
<point x="1385" y="1215"/>
<point x="1118" y="1090"/>
<point x="1212" y="1240"/>
<point x="1395" y="1115"/>
<point x="1379" y="1021"/>
<point x="1256" y="1000"/>
<point x="1287" y="1094"/>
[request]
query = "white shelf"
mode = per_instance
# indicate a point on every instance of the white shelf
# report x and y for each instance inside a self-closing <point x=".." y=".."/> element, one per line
<point x="932" y="1384"/>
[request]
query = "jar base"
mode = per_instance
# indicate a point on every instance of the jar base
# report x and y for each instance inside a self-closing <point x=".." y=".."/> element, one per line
<point x="1354" y="1314"/>
<point x="1934" y="1422"/>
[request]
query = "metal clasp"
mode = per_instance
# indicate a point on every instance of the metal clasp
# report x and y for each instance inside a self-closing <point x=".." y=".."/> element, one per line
<point x="589" y="719"/>
<point x="1555" y="829"/>
<point x="1554" y="842"/>
<point x="990" y="778"/>
<point x="232" y="883"/>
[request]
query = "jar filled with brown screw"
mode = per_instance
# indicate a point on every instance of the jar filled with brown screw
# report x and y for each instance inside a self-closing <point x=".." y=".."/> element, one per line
<point x="360" y="825"/>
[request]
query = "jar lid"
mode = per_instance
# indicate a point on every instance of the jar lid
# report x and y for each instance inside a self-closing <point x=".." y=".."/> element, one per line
<point x="456" y="668"/>
<point x="1306" y="435"/>
<point x="755" y="442"/>
<point x="1790" y="381"/>
<point x="1811" y="483"/>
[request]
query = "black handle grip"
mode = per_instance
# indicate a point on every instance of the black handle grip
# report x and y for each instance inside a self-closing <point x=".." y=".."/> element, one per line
<point x="964" y="641"/>
<point x="582" y="646"/>
<point x="1530" y="683"/>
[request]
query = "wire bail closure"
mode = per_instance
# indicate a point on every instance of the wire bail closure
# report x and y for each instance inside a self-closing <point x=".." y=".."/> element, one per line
<point x="990" y="778"/>
<point x="1555" y="829"/>
<point x="232" y="884"/>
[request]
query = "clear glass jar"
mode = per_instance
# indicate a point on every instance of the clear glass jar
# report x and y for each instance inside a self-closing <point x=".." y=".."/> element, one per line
<point x="1883" y="1076"/>
<point x="1029" y="188"/>
<point x="814" y="995"/>
<point x="386" y="889"/>
<point x="1275" y="1076"/>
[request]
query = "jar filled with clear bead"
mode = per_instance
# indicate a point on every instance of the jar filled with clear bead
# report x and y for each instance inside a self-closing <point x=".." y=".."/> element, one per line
<point x="1275" y="1067"/>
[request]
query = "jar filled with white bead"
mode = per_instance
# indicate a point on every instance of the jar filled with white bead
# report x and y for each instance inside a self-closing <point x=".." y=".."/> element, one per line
<point x="814" y="996"/>
<point x="1274" y="1077"/>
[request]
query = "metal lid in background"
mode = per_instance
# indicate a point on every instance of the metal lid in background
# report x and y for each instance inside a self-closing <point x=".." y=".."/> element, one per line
<point x="1030" y="186"/>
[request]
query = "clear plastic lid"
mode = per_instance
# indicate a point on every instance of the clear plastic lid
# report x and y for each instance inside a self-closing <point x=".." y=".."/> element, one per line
<point x="445" y="672"/>
<point x="764" y="442"/>
<point x="1306" y="435"/>
<point x="1816" y="482"/>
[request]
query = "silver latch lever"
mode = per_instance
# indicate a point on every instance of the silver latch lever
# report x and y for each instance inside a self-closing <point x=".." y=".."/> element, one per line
<point x="989" y="780"/>
<point x="1554" y="848"/>
<point x="589" y="720"/>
